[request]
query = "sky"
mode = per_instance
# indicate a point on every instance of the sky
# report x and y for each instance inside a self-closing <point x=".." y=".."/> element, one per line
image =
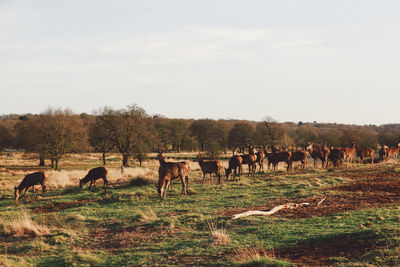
<point x="292" y="60"/>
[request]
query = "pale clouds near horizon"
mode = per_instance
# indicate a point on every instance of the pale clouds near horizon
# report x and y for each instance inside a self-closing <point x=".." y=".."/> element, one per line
<point x="328" y="61"/>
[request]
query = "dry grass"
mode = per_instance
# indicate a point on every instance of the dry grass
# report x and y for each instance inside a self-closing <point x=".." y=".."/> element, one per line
<point x="220" y="237"/>
<point x="75" y="217"/>
<point x="250" y="254"/>
<point x="148" y="215"/>
<point x="23" y="225"/>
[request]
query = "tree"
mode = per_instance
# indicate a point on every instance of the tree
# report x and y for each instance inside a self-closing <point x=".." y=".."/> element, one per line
<point x="6" y="139"/>
<point x="128" y="128"/>
<point x="204" y="131"/>
<point x="178" y="130"/>
<point x="100" y="139"/>
<point x="273" y="131"/>
<point x="58" y="132"/>
<point x="241" y="135"/>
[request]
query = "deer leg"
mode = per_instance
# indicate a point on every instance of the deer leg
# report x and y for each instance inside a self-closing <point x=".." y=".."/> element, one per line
<point x="204" y="177"/>
<point x="105" y="182"/>
<point x="43" y="189"/>
<point x="23" y="196"/>
<point x="212" y="182"/>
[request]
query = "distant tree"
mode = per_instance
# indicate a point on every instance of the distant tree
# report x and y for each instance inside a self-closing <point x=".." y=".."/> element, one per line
<point x="305" y="134"/>
<point x="241" y="135"/>
<point x="178" y="131"/>
<point x="130" y="129"/>
<point x="59" y="132"/>
<point x="273" y="131"/>
<point x="6" y="138"/>
<point x="205" y="131"/>
<point x="100" y="139"/>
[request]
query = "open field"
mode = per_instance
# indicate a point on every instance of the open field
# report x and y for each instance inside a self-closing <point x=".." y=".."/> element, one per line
<point x="357" y="224"/>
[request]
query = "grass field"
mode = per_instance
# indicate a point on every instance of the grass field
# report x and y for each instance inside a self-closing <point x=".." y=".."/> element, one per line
<point x="356" y="225"/>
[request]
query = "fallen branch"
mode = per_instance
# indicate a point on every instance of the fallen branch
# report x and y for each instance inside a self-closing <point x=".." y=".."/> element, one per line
<point x="322" y="200"/>
<point x="270" y="212"/>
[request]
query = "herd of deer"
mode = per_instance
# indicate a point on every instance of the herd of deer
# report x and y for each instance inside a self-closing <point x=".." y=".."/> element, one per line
<point x="169" y="171"/>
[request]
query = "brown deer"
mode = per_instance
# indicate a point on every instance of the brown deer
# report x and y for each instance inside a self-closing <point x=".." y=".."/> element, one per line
<point x="260" y="155"/>
<point x="212" y="166"/>
<point x="169" y="171"/>
<point x="348" y="153"/>
<point x="314" y="155"/>
<point x="275" y="157"/>
<point x="93" y="175"/>
<point x="250" y="159"/>
<point x="300" y="155"/>
<point x="335" y="156"/>
<point x="393" y="152"/>
<point x="30" y="180"/>
<point x="383" y="153"/>
<point x="235" y="164"/>
<point x="362" y="153"/>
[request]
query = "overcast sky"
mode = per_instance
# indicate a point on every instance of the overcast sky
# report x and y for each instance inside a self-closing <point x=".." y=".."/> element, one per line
<point x="292" y="60"/>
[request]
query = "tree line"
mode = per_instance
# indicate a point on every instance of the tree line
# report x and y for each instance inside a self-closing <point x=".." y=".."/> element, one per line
<point x="133" y="133"/>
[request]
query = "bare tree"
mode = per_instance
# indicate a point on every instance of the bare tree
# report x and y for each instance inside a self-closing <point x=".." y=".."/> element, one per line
<point x="100" y="139"/>
<point x="126" y="128"/>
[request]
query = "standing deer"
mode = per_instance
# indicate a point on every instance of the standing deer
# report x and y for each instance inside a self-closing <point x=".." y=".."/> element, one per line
<point x="169" y="171"/>
<point x="362" y="153"/>
<point x="348" y="153"/>
<point x="30" y="180"/>
<point x="383" y="153"/>
<point x="393" y="152"/>
<point x="300" y="155"/>
<point x="93" y="175"/>
<point x="275" y="157"/>
<point x="260" y="155"/>
<point x="235" y="164"/>
<point x="335" y="156"/>
<point x="212" y="166"/>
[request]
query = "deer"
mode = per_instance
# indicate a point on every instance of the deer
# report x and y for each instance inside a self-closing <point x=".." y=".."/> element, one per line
<point x="30" y="180"/>
<point x="348" y="152"/>
<point x="275" y="157"/>
<point x="169" y="171"/>
<point x="300" y="155"/>
<point x="260" y="155"/>
<point x="362" y="153"/>
<point x="93" y="175"/>
<point x="335" y="156"/>
<point x="250" y="160"/>
<point x="314" y="154"/>
<point x="393" y="152"/>
<point x="212" y="166"/>
<point x="384" y="153"/>
<point x="235" y="164"/>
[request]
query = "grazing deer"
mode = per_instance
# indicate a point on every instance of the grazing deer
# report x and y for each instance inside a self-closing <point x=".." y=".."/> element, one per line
<point x="362" y="153"/>
<point x="169" y="171"/>
<point x="393" y="152"/>
<point x="93" y="175"/>
<point x="235" y="164"/>
<point x="212" y="166"/>
<point x="335" y="156"/>
<point x="275" y="157"/>
<point x="348" y="153"/>
<point x="30" y="180"/>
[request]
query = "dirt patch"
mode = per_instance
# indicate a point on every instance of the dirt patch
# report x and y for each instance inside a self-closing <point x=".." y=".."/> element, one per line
<point x="323" y="251"/>
<point x="58" y="206"/>
<point x="104" y="238"/>
<point x="374" y="190"/>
